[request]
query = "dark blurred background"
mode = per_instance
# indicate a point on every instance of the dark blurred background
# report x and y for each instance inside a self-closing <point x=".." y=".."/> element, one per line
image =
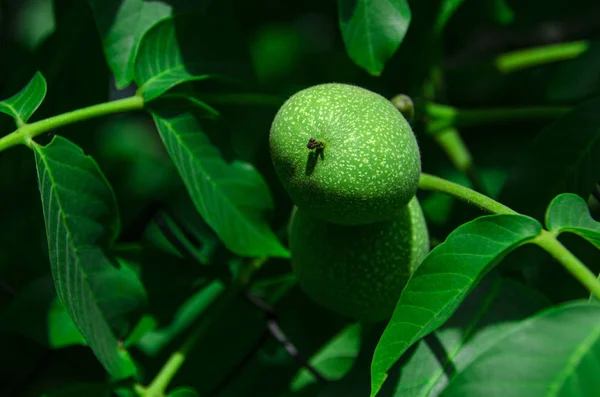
<point x="290" y="45"/>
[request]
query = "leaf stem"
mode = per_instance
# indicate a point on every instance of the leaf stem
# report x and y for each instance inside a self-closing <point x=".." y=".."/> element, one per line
<point x="26" y="133"/>
<point x="444" y="116"/>
<point x="457" y="151"/>
<point x="434" y="183"/>
<point x="161" y="381"/>
<point x="549" y="242"/>
<point x="546" y="240"/>
<point x="535" y="56"/>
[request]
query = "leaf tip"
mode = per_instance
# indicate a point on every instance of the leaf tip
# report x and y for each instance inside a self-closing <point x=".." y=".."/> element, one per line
<point x="376" y="383"/>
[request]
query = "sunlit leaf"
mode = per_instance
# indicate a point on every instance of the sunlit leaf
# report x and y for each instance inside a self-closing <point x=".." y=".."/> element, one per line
<point x="121" y="24"/>
<point x="570" y="213"/>
<point x="373" y="30"/>
<point x="24" y="103"/>
<point x="232" y="197"/>
<point x="563" y="158"/>
<point x="443" y="280"/>
<point x="180" y="50"/>
<point x="81" y="216"/>
<point x="556" y="353"/>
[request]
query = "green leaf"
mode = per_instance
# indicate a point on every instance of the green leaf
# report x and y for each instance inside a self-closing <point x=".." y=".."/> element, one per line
<point x="80" y="213"/>
<point x="176" y="51"/>
<point x="232" y="197"/>
<point x="334" y="360"/>
<point x="373" y="30"/>
<point x="121" y="24"/>
<point x="159" y="337"/>
<point x="485" y="315"/>
<point x="559" y="348"/>
<point x="448" y="8"/>
<point x="570" y="213"/>
<point x="47" y="321"/>
<point x="24" y="103"/>
<point x="443" y="280"/>
<point x="183" y="392"/>
<point x="563" y="158"/>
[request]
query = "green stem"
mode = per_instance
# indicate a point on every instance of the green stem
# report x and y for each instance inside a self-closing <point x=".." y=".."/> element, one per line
<point x="433" y="183"/>
<point x="455" y="148"/>
<point x="26" y="133"/>
<point x="447" y="116"/>
<point x="545" y="239"/>
<point x="548" y="242"/>
<point x="161" y="381"/>
<point x="522" y="59"/>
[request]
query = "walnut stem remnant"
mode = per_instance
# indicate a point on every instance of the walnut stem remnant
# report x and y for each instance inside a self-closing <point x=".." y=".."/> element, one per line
<point x="314" y="144"/>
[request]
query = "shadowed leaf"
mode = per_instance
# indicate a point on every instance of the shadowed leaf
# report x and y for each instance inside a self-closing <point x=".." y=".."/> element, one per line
<point x="81" y="217"/>
<point x="559" y="348"/>
<point x="181" y="50"/>
<point x="121" y="24"/>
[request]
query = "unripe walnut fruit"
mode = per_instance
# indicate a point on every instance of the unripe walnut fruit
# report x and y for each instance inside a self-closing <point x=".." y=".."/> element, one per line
<point x="345" y="154"/>
<point x="358" y="271"/>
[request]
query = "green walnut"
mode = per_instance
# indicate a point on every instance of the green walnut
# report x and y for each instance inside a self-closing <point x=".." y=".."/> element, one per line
<point x="345" y="154"/>
<point x="358" y="271"/>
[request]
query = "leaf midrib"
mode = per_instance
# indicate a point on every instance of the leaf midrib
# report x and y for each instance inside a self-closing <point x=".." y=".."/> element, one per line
<point x="210" y="180"/>
<point x="578" y="354"/>
<point x="75" y="249"/>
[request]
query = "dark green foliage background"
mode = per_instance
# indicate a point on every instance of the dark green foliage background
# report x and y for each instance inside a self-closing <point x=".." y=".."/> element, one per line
<point x="274" y="48"/>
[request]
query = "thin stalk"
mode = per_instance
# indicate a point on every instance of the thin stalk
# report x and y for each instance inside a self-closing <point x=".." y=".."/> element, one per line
<point x="446" y="116"/>
<point x="545" y="239"/>
<point x="161" y="381"/>
<point x="548" y="242"/>
<point x="529" y="57"/>
<point x="26" y="133"/>
<point x="433" y="183"/>
<point x="457" y="151"/>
